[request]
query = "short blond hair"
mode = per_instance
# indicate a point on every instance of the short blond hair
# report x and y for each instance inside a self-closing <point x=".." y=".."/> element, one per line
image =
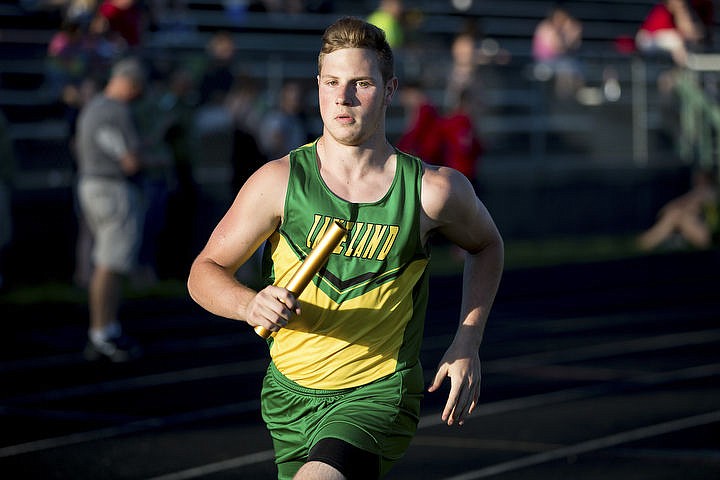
<point x="354" y="32"/>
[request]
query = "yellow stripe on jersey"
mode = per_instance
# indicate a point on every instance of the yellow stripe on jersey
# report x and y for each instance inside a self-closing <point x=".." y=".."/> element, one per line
<point x="331" y="346"/>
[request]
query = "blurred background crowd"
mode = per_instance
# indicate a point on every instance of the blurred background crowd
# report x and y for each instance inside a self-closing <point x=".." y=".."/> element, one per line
<point x="575" y="118"/>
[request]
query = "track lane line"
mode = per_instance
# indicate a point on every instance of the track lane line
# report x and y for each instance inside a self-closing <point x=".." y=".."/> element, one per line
<point x="146" y="381"/>
<point x="504" y="406"/>
<point x="426" y="421"/>
<point x="132" y="427"/>
<point x="210" y="468"/>
<point x="592" y="445"/>
<point x="489" y="366"/>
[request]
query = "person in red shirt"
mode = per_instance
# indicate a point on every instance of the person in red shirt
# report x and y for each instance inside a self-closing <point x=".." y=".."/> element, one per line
<point x="669" y="27"/>
<point x="126" y="17"/>
<point x="450" y="140"/>
<point x="462" y="146"/>
<point x="423" y="136"/>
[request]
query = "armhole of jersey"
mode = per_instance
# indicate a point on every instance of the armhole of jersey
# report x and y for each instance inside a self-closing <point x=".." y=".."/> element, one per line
<point x="291" y="163"/>
<point x="420" y="170"/>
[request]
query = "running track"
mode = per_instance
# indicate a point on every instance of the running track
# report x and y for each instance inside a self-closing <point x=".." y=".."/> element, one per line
<point x="597" y="370"/>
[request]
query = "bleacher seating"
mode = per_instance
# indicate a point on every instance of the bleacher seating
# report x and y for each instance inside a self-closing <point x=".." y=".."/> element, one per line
<point x="272" y="45"/>
<point x="549" y="169"/>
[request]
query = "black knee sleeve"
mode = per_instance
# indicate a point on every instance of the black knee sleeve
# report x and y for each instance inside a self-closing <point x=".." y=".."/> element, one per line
<point x="353" y="462"/>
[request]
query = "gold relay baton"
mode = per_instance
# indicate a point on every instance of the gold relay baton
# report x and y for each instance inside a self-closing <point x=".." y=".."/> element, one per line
<point x="311" y="265"/>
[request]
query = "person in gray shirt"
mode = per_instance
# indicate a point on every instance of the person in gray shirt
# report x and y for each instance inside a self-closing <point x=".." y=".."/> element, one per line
<point x="110" y="199"/>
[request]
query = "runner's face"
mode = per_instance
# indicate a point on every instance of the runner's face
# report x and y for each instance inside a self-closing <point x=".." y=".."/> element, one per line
<point x="352" y="95"/>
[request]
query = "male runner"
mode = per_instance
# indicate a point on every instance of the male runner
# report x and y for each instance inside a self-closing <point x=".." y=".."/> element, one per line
<point x="341" y="397"/>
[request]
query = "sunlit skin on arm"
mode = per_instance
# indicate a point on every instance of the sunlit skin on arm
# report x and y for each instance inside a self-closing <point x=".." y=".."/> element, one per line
<point x="252" y="218"/>
<point x="452" y="209"/>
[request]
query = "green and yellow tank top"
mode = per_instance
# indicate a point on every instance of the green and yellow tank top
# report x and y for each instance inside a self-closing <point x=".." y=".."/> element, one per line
<point x="363" y="313"/>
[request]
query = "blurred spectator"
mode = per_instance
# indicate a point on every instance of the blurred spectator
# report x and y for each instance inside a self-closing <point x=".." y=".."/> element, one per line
<point x="284" y="128"/>
<point x="474" y="57"/>
<point x="83" y="243"/>
<point x="463" y="146"/>
<point x="464" y="73"/>
<point x="555" y="43"/>
<point x="66" y="56"/>
<point x="67" y="63"/>
<point x="388" y="17"/>
<point x="218" y="75"/>
<point x="422" y="135"/>
<point x="126" y="17"/>
<point x="7" y="178"/>
<point x="109" y="166"/>
<point x="692" y="216"/>
<point x="103" y="46"/>
<point x="78" y="56"/>
<point x="451" y="140"/>
<point x="471" y="52"/>
<point x="670" y="28"/>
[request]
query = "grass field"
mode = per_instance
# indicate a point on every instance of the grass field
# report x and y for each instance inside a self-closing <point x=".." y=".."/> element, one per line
<point x="445" y="261"/>
<point x="552" y="251"/>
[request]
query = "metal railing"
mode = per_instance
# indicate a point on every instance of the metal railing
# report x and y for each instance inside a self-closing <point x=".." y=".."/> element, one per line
<point x="699" y="136"/>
